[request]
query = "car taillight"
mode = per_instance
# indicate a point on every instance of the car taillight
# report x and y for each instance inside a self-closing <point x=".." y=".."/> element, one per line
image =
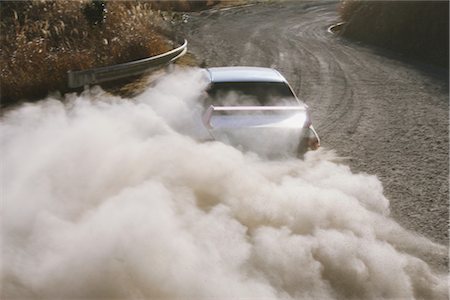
<point x="313" y="143"/>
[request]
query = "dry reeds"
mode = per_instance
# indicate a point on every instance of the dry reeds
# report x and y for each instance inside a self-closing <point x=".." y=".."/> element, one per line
<point x="42" y="40"/>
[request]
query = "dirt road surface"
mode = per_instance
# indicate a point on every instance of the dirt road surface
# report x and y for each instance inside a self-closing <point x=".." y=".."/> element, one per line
<point x="387" y="115"/>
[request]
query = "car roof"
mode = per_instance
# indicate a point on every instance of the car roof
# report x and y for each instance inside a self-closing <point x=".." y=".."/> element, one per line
<point x="244" y="74"/>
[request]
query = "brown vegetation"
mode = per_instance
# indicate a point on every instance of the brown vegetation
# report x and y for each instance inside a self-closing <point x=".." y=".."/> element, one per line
<point x="183" y="5"/>
<point x="419" y="29"/>
<point x="42" y="40"/>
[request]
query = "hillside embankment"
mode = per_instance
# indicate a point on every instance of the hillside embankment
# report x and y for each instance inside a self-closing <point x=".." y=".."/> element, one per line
<point x="416" y="29"/>
<point x="42" y="40"/>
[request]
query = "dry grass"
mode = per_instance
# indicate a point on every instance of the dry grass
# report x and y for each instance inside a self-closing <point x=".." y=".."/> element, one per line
<point x="419" y="29"/>
<point x="42" y="40"/>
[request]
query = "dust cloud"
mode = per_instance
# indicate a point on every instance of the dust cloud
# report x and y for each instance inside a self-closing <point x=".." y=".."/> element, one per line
<point x="115" y="198"/>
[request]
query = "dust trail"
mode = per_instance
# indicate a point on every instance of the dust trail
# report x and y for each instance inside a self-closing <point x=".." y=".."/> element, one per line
<point x="110" y="198"/>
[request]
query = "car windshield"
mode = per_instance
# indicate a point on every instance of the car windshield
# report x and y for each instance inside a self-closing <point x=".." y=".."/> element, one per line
<point x="263" y="92"/>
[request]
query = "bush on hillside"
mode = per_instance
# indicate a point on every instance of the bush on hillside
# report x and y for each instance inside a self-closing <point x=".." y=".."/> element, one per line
<point x="183" y="5"/>
<point x="419" y="29"/>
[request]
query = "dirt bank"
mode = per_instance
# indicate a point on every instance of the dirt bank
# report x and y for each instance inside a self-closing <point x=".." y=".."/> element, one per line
<point x="417" y="29"/>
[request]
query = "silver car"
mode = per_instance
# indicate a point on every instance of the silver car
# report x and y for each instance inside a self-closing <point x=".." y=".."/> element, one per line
<point x="255" y="109"/>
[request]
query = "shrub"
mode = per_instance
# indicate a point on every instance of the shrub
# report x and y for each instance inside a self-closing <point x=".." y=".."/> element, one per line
<point x="419" y="29"/>
<point x="183" y="5"/>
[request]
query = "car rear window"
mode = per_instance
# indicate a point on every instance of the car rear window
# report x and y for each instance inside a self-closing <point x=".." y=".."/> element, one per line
<point x="263" y="92"/>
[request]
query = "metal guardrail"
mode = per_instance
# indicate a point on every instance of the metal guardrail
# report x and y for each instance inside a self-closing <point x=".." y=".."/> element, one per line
<point x="102" y="74"/>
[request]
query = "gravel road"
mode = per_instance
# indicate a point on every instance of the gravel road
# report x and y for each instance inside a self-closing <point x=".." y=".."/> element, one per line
<point x="387" y="115"/>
